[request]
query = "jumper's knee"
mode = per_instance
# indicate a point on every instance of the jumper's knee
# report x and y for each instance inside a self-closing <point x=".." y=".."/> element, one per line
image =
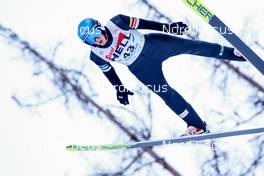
<point x="176" y="102"/>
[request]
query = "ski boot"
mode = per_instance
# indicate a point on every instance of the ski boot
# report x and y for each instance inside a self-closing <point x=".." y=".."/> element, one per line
<point x="191" y="130"/>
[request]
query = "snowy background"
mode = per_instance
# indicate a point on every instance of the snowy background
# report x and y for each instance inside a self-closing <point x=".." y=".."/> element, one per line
<point x="33" y="139"/>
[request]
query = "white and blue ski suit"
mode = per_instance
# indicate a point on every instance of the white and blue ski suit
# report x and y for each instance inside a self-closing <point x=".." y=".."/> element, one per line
<point x="144" y="54"/>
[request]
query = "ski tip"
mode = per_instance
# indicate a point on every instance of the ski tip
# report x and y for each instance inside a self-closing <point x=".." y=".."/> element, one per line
<point x="75" y="147"/>
<point x="72" y="147"/>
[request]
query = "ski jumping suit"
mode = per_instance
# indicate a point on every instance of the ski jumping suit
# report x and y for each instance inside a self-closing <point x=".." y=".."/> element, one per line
<point x="144" y="54"/>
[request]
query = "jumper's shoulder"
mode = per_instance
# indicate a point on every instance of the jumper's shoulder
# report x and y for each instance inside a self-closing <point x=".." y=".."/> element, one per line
<point x="97" y="59"/>
<point x="122" y="21"/>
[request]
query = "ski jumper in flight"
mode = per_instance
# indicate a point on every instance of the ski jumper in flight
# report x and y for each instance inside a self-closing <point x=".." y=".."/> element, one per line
<point x="120" y="41"/>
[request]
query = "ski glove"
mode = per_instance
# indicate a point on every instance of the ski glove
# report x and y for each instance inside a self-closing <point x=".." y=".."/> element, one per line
<point x="178" y="28"/>
<point x="122" y="94"/>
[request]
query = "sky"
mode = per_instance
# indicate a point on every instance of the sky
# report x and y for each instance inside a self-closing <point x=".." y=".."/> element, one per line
<point x="33" y="140"/>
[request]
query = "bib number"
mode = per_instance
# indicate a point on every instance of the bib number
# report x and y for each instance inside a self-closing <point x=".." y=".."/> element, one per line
<point x="129" y="51"/>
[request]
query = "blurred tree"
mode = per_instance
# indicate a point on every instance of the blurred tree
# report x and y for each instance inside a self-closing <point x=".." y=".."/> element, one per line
<point x="74" y="83"/>
<point x="217" y="164"/>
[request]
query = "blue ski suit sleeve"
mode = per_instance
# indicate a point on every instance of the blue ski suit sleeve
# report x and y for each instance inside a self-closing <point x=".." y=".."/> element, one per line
<point x="107" y="69"/>
<point x="126" y="23"/>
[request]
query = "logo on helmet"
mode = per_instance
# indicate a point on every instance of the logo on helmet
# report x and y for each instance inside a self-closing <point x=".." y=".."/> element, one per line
<point x="93" y="30"/>
<point x="83" y="30"/>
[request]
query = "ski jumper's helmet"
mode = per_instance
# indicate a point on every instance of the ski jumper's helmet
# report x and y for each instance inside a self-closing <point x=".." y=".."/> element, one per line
<point x="89" y="29"/>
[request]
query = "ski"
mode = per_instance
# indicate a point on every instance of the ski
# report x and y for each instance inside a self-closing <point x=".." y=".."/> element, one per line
<point x="218" y="25"/>
<point x="145" y="144"/>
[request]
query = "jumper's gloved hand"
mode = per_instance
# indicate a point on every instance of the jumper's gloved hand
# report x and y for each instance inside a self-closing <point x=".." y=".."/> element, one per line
<point x="122" y="94"/>
<point x="178" y="28"/>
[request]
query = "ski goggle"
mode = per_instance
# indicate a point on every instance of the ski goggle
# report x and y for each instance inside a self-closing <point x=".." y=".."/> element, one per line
<point x="92" y="34"/>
